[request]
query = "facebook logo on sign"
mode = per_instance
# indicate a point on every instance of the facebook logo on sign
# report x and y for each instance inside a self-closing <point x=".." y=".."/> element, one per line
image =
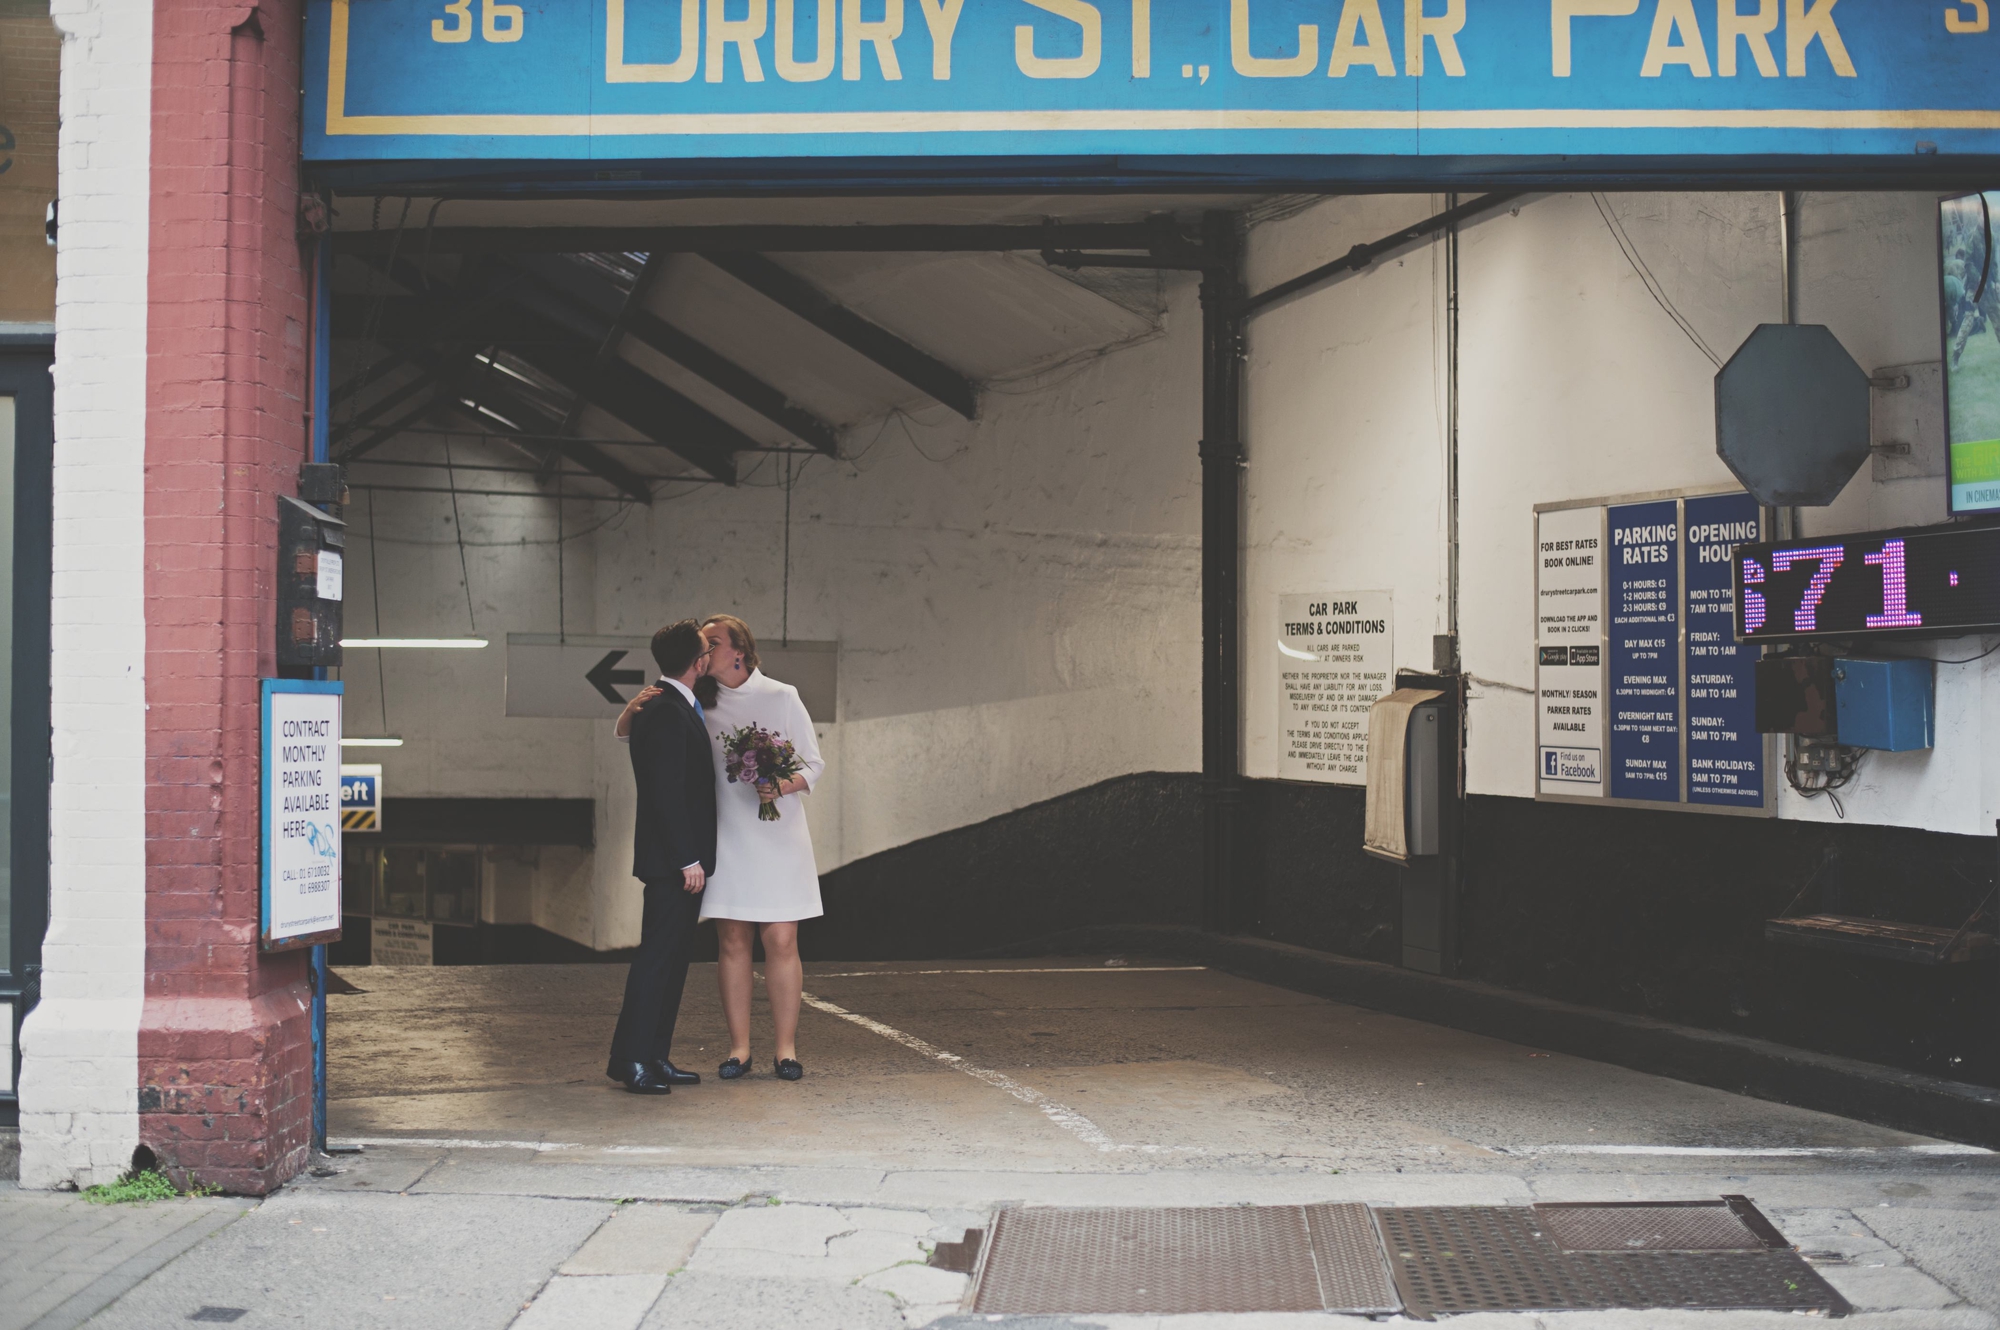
<point x="1549" y="762"/>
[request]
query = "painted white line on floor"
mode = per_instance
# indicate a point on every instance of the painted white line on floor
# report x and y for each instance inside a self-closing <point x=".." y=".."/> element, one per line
<point x="1750" y="1151"/>
<point x="1089" y="969"/>
<point x="1061" y="1114"/>
<point x="467" y="1143"/>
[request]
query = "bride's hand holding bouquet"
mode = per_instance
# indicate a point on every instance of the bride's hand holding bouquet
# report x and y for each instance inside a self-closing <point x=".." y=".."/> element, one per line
<point x="763" y="759"/>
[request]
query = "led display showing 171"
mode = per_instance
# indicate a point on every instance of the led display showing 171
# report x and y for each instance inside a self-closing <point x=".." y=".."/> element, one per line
<point x="1917" y="582"/>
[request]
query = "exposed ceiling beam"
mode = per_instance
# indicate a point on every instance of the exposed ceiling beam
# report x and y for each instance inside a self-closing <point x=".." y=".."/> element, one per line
<point x="642" y="402"/>
<point x="381" y="406"/>
<point x="381" y="434"/>
<point x="626" y="314"/>
<point x="731" y="378"/>
<point x="457" y="381"/>
<point x="1160" y="236"/>
<point x="566" y="355"/>
<point x="916" y="368"/>
<point x="586" y="455"/>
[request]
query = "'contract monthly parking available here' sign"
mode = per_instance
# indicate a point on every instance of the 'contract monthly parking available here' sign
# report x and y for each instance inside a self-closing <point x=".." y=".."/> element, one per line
<point x="301" y="837"/>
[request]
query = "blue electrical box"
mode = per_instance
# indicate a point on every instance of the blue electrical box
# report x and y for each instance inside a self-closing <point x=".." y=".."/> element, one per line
<point x="1885" y="704"/>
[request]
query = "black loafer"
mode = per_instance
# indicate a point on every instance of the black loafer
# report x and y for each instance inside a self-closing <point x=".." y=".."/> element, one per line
<point x="639" y="1078"/>
<point x="734" y="1068"/>
<point x="673" y="1075"/>
<point x="789" y="1069"/>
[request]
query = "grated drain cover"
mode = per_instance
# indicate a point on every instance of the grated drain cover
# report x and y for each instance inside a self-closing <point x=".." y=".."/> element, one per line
<point x="1452" y="1259"/>
<point x="1629" y="1226"/>
<point x="1189" y="1260"/>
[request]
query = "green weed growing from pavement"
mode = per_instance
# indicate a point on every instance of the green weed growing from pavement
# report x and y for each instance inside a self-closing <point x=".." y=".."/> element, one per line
<point x="142" y="1186"/>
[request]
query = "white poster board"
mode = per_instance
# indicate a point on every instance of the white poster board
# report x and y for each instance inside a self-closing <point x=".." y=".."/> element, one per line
<point x="1569" y="651"/>
<point x="401" y="942"/>
<point x="301" y="833"/>
<point x="1336" y="655"/>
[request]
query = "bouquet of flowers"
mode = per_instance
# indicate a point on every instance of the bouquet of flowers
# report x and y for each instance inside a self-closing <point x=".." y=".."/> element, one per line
<point x="756" y="756"/>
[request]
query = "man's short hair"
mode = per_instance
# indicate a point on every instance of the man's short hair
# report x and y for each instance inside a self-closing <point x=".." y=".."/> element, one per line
<point x="678" y="646"/>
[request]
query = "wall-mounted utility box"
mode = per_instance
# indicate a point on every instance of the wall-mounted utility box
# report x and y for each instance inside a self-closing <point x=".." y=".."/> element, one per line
<point x="310" y="545"/>
<point x="1885" y="704"/>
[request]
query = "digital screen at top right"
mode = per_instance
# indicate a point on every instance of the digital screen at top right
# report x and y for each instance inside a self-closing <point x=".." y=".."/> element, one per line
<point x="1971" y="304"/>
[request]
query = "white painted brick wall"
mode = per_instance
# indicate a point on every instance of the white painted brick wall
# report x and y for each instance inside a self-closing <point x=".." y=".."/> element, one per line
<point x="80" y="1075"/>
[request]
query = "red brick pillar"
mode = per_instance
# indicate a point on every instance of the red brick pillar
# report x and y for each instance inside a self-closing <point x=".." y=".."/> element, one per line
<point x="225" y="1065"/>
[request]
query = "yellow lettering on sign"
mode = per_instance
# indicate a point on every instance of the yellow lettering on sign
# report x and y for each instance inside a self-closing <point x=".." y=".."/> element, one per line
<point x="882" y="34"/>
<point x="825" y="48"/>
<point x="1805" y="26"/>
<point x="1274" y="66"/>
<point x="1364" y="18"/>
<point x="1142" y="39"/>
<point x="742" y="33"/>
<point x="1442" y="30"/>
<point x="1755" y="30"/>
<point x="1956" y="19"/>
<point x="1079" y="66"/>
<point x="461" y="28"/>
<point x="491" y="12"/>
<point x="679" y="71"/>
<point x="941" y="17"/>
<point x="1560" y="14"/>
<point x="1673" y="17"/>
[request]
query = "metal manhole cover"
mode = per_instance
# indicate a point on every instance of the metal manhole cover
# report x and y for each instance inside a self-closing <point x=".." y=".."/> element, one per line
<point x="1450" y="1259"/>
<point x="1185" y="1260"/>
<point x="1668" y="1226"/>
<point x="1453" y="1259"/>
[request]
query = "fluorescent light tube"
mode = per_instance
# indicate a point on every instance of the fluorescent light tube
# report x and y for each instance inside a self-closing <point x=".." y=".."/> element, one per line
<point x="386" y="741"/>
<point x="419" y="643"/>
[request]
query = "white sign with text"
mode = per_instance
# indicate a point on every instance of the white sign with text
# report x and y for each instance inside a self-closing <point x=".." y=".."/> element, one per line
<point x="1336" y="656"/>
<point x="301" y="810"/>
<point x="1569" y="651"/>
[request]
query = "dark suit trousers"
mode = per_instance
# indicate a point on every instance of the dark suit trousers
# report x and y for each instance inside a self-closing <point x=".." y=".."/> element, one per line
<point x="653" y="986"/>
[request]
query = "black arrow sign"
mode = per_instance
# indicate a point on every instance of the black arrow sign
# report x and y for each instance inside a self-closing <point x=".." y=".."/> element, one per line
<point x="601" y="676"/>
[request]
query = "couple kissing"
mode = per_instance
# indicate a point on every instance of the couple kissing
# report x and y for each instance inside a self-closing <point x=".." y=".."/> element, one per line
<point x="721" y="754"/>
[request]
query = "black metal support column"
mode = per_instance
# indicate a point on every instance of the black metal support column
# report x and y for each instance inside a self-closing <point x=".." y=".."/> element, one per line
<point x="1221" y="565"/>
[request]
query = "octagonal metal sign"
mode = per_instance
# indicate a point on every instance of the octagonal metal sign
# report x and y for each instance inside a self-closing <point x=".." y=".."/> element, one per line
<point x="1791" y="415"/>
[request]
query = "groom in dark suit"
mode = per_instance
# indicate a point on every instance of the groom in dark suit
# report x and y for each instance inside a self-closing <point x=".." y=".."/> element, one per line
<point x="673" y="852"/>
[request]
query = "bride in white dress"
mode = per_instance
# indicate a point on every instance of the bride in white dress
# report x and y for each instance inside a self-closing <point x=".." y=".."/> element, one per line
<point x="765" y="878"/>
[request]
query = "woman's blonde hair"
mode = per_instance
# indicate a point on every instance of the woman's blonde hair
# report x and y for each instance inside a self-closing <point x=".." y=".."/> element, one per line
<point x="740" y="636"/>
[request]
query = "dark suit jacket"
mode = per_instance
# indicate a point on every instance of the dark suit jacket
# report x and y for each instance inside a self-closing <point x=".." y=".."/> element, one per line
<point x="675" y="773"/>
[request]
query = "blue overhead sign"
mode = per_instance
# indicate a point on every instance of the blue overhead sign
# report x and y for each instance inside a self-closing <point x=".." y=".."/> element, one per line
<point x="649" y="79"/>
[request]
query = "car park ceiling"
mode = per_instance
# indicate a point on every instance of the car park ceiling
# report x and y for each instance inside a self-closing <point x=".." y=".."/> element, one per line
<point x="637" y="365"/>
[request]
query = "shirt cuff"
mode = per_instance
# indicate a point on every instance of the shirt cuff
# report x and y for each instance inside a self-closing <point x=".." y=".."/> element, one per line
<point x="695" y="864"/>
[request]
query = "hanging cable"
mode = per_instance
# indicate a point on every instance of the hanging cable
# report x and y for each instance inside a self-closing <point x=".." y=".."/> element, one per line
<point x="458" y="532"/>
<point x="562" y="622"/>
<point x="785" y="614"/>
<point x="1652" y="283"/>
<point x="375" y="587"/>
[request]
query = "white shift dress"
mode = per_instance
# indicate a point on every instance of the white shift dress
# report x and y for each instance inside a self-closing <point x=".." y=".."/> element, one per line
<point x="764" y="871"/>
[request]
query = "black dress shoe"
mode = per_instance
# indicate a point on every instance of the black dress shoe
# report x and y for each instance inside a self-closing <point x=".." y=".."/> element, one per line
<point x="639" y="1078"/>
<point x="789" y="1069"/>
<point x="673" y="1075"/>
<point x="733" y="1069"/>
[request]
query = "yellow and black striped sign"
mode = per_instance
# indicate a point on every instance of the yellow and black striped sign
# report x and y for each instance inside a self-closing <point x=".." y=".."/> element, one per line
<point x="358" y="819"/>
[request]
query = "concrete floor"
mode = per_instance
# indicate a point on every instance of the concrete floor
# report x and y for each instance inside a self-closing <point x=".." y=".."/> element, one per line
<point x="507" y="1184"/>
<point x="1033" y="1066"/>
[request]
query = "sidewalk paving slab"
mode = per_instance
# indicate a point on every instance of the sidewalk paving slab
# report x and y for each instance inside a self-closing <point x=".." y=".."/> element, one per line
<point x="736" y="1302"/>
<point x="320" y="1259"/>
<point x="592" y="1302"/>
<point x="62" y="1258"/>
